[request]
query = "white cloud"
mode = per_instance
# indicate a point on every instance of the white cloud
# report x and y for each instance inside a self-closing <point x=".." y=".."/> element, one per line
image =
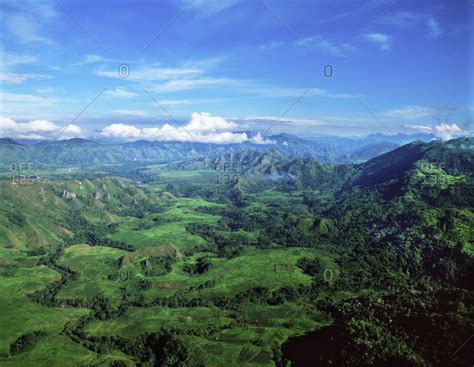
<point x="6" y="124"/>
<point x="93" y="59"/>
<point x="288" y="120"/>
<point x="37" y="129"/>
<point x="277" y="91"/>
<point x="121" y="131"/>
<point x="426" y="129"/>
<point x="150" y="73"/>
<point x="47" y="90"/>
<point x="203" y="122"/>
<point x="23" y="99"/>
<point x="25" y="28"/>
<point x="24" y="20"/>
<point x="120" y="93"/>
<point x="409" y="112"/>
<point x="447" y="131"/>
<point x="402" y="18"/>
<point x="190" y="77"/>
<point x="72" y="130"/>
<point x="242" y="86"/>
<point x="203" y="127"/>
<point x="38" y="126"/>
<point x="10" y="61"/>
<point x="443" y="130"/>
<point x="18" y="78"/>
<point x="434" y="28"/>
<point x="138" y="113"/>
<point x="324" y="45"/>
<point x="315" y="42"/>
<point x="189" y="84"/>
<point x="174" y="102"/>
<point x="259" y="139"/>
<point x="90" y="59"/>
<point x="407" y="19"/>
<point x="272" y="45"/>
<point x="13" y="105"/>
<point x="381" y="39"/>
<point x="209" y="7"/>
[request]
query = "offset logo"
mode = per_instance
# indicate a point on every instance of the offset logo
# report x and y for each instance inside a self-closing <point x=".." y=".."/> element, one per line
<point x="227" y="173"/>
<point x="21" y="173"/>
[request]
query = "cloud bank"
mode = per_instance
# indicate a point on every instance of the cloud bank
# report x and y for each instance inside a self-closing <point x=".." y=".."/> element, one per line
<point x="202" y="128"/>
<point x="37" y="130"/>
<point x="443" y="130"/>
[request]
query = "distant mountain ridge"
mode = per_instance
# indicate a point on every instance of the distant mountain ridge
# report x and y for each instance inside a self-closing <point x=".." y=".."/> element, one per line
<point x="389" y="173"/>
<point x="331" y="150"/>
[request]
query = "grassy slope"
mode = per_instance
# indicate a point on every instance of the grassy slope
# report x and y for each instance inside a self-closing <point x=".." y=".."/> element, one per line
<point x="20" y="316"/>
<point x="179" y="215"/>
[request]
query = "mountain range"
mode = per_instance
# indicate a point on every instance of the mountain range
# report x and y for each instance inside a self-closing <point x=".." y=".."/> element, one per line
<point x="83" y="152"/>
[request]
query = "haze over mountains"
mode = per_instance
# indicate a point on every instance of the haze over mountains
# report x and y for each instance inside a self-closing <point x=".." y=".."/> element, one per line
<point x="325" y="149"/>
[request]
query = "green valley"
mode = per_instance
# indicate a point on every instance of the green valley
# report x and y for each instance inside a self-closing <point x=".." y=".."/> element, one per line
<point x="163" y="264"/>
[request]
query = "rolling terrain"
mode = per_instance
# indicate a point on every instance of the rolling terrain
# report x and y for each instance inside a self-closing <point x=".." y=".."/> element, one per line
<point x="237" y="257"/>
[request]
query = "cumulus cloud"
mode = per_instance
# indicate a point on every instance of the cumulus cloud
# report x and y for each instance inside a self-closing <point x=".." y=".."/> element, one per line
<point x="447" y="131"/>
<point x="37" y="129"/>
<point x="443" y="130"/>
<point x="121" y="131"/>
<point x="72" y="130"/>
<point x="259" y="139"/>
<point x="206" y="122"/>
<point x="40" y="126"/>
<point x="203" y="127"/>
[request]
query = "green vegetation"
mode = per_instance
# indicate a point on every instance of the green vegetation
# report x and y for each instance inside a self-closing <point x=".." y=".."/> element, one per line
<point x="376" y="258"/>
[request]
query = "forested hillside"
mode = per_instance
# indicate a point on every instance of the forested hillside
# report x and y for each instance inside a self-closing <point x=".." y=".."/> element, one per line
<point x="243" y="258"/>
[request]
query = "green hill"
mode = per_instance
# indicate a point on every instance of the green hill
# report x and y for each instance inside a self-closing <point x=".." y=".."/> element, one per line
<point x="43" y="214"/>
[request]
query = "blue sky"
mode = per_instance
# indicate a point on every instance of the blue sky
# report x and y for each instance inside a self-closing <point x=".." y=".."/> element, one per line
<point x="217" y="67"/>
